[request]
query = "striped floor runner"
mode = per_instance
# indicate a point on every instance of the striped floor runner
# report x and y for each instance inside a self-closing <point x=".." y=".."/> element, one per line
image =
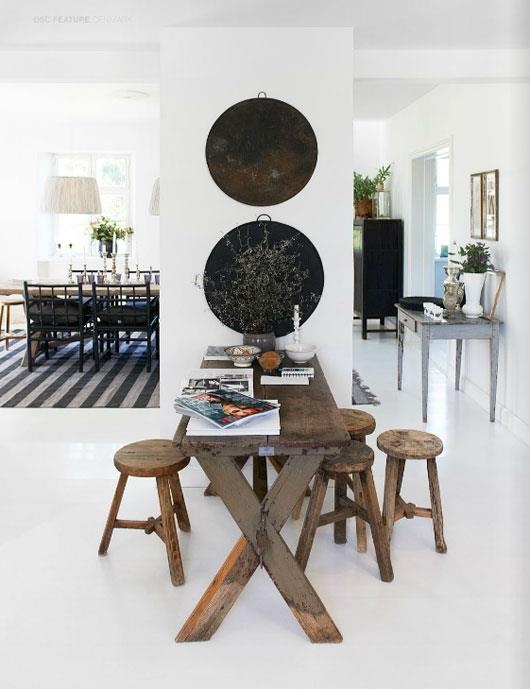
<point x="122" y="380"/>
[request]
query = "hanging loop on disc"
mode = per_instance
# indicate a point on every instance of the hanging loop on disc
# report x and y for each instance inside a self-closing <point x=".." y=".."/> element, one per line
<point x="262" y="94"/>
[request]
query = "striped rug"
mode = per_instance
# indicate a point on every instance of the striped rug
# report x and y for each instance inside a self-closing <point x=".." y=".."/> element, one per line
<point x="122" y="380"/>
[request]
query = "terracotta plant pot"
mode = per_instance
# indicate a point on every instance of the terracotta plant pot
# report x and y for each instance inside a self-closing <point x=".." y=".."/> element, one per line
<point x="363" y="208"/>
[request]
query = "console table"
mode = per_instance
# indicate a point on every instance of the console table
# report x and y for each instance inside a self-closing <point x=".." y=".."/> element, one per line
<point x="456" y="327"/>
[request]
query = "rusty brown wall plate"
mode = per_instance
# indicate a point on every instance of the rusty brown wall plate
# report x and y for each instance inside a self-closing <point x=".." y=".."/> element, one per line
<point x="261" y="151"/>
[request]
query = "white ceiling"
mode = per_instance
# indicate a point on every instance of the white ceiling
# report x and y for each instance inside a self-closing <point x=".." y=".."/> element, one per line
<point x="79" y="102"/>
<point x="379" y="99"/>
<point x="390" y="24"/>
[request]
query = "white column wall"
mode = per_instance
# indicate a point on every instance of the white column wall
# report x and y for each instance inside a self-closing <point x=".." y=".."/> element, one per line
<point x="205" y="71"/>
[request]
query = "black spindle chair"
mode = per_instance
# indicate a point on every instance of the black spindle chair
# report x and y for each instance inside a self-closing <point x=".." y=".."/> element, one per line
<point x="124" y="308"/>
<point x="53" y="313"/>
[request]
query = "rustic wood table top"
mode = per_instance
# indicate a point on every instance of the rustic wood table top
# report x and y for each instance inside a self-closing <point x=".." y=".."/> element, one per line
<point x="311" y="428"/>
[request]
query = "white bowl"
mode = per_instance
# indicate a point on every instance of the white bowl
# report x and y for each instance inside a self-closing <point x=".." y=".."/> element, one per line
<point x="242" y="356"/>
<point x="301" y="352"/>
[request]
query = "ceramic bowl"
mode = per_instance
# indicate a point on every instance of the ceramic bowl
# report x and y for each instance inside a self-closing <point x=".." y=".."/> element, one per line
<point x="242" y="356"/>
<point x="301" y="352"/>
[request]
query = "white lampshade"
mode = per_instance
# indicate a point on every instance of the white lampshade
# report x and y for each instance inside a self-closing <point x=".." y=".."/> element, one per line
<point x="71" y="195"/>
<point x="154" y="205"/>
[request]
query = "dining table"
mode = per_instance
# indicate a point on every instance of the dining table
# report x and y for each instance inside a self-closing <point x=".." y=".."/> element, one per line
<point x="311" y="429"/>
<point x="16" y="287"/>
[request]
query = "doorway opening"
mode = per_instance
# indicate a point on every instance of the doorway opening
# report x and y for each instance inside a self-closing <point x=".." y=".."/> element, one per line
<point x="430" y="226"/>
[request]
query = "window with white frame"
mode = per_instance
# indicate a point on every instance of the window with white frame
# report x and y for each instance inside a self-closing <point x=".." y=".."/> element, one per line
<point x="113" y="174"/>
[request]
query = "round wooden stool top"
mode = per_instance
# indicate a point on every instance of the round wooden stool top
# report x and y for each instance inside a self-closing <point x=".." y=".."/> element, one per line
<point x="356" y="457"/>
<point x="11" y="300"/>
<point x="150" y="458"/>
<point x="407" y="444"/>
<point x="358" y="423"/>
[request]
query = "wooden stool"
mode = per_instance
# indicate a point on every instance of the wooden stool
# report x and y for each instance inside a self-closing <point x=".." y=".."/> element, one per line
<point x="6" y="302"/>
<point x="359" y="424"/>
<point x="355" y="459"/>
<point x="400" y="445"/>
<point x="157" y="459"/>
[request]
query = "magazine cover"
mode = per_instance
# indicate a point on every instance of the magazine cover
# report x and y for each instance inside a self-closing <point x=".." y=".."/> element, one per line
<point x="224" y="408"/>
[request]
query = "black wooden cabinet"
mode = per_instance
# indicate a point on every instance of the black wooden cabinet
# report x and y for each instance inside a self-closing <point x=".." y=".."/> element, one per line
<point x="378" y="268"/>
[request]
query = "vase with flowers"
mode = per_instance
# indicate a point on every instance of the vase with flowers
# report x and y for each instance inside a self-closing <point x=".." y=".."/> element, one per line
<point x="475" y="262"/>
<point x="106" y="232"/>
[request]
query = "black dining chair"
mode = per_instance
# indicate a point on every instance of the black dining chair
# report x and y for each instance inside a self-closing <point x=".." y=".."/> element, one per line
<point x="124" y="308"/>
<point x="56" y="313"/>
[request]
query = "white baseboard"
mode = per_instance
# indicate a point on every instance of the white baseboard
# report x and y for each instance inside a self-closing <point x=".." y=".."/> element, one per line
<point x="513" y="423"/>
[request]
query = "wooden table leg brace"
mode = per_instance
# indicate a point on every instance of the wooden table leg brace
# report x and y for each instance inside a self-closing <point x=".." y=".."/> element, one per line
<point x="261" y="544"/>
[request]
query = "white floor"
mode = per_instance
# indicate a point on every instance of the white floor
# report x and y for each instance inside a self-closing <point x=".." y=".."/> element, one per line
<point x="71" y="619"/>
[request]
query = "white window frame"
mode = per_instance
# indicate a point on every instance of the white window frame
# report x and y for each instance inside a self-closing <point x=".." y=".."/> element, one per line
<point x="126" y="191"/>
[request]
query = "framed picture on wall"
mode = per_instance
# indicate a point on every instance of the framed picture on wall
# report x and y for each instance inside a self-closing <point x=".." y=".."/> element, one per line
<point x="476" y="206"/>
<point x="490" y="204"/>
<point x="485" y="205"/>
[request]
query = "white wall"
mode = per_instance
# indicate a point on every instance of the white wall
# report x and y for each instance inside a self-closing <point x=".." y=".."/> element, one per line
<point x="487" y="126"/>
<point x="22" y="146"/>
<point x="204" y="71"/>
<point x="368" y="146"/>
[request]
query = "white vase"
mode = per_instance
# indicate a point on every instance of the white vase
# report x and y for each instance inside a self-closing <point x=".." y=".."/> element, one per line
<point x="473" y="284"/>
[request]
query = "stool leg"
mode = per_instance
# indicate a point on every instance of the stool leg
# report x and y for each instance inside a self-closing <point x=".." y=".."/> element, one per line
<point x="8" y="324"/>
<point x="1" y="317"/>
<point x="401" y="471"/>
<point x="389" y="501"/>
<point x="170" y="532"/>
<point x="360" y="524"/>
<point x="318" y="493"/>
<point x="113" y="513"/>
<point x="436" y="506"/>
<point x="381" y="542"/>
<point x="339" y="528"/>
<point x="179" y="506"/>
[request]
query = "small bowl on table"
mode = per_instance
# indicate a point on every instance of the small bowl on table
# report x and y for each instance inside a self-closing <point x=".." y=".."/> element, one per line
<point x="242" y="356"/>
<point x="300" y="352"/>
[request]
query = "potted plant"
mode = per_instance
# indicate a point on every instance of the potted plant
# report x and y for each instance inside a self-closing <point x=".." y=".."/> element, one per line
<point x="475" y="261"/>
<point x="365" y="188"/>
<point x="104" y="230"/>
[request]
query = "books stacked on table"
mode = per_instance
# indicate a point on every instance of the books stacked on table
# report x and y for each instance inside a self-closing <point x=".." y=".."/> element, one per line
<point x="215" y="407"/>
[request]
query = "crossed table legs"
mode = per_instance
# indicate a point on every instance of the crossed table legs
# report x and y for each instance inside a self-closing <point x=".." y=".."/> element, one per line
<point x="261" y="544"/>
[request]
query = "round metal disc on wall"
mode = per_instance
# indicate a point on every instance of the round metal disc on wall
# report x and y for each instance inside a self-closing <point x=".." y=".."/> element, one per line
<point x="261" y="151"/>
<point x="263" y="268"/>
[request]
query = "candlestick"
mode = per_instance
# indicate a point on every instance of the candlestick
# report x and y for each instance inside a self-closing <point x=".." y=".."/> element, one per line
<point x="105" y="268"/>
<point x="85" y="274"/>
<point x="114" y="243"/>
<point x="137" y="273"/>
<point x="113" y="275"/>
<point x="126" y="268"/>
<point x="70" y="273"/>
<point x="296" y="323"/>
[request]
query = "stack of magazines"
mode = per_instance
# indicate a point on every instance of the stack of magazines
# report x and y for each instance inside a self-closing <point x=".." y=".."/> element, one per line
<point x="221" y="402"/>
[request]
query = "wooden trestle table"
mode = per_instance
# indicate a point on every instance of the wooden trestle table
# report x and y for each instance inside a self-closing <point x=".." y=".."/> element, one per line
<point x="311" y="428"/>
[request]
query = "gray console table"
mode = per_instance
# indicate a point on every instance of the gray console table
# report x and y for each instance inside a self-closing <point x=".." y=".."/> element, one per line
<point x="456" y="327"/>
